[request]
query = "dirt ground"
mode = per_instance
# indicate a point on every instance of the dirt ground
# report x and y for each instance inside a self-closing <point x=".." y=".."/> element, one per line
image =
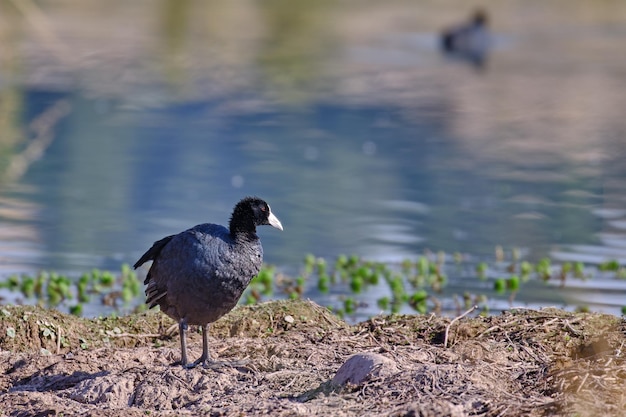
<point x="520" y="363"/>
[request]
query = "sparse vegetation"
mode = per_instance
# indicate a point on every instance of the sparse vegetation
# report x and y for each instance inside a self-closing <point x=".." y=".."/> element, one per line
<point x="51" y="289"/>
<point x="416" y="283"/>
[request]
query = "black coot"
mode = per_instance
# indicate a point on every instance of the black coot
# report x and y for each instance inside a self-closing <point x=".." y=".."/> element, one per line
<point x="469" y="41"/>
<point x="198" y="275"/>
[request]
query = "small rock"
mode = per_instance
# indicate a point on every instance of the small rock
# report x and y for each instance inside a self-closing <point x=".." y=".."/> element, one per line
<point x="362" y="366"/>
<point x="289" y="319"/>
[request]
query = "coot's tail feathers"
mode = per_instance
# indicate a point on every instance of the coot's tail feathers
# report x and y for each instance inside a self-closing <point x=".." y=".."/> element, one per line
<point x="153" y="252"/>
<point x="153" y="293"/>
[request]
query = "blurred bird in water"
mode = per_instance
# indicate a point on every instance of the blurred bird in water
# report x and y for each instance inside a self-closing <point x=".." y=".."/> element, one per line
<point x="469" y="41"/>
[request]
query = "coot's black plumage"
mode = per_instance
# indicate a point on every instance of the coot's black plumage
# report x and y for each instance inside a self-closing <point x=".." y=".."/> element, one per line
<point x="198" y="275"/>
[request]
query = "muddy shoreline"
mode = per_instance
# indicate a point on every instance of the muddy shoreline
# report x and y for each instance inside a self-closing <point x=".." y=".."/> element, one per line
<point x="522" y="362"/>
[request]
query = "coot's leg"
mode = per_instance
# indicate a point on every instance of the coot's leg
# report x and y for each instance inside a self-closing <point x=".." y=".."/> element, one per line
<point x="204" y="359"/>
<point x="182" y="329"/>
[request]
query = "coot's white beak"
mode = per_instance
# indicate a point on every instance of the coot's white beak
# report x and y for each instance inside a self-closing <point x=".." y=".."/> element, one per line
<point x="273" y="221"/>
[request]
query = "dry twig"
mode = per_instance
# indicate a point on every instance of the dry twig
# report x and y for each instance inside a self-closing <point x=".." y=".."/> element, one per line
<point x="445" y="339"/>
<point x="135" y="335"/>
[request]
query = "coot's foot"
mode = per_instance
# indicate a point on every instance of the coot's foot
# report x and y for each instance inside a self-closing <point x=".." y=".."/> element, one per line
<point x="215" y="365"/>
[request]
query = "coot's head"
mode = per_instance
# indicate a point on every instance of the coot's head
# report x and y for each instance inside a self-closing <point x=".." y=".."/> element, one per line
<point x="250" y="213"/>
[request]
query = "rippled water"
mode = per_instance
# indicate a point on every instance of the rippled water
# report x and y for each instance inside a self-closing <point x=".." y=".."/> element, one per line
<point x="346" y="118"/>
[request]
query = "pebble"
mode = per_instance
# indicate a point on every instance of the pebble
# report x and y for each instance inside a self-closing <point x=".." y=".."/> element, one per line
<point x="363" y="366"/>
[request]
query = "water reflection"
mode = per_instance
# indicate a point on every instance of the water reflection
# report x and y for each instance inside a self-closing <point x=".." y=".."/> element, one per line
<point x="20" y="247"/>
<point x="345" y="118"/>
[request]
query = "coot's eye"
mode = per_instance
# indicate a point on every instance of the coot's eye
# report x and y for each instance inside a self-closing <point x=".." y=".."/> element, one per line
<point x="262" y="208"/>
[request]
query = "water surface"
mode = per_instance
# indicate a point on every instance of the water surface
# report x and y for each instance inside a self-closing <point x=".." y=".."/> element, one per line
<point x="345" y="117"/>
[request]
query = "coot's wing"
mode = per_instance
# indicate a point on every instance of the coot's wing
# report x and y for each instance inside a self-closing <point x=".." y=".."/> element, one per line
<point x="153" y="252"/>
<point x="182" y="264"/>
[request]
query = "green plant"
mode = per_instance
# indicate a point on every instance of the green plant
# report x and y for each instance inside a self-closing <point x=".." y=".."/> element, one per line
<point x="512" y="283"/>
<point x="499" y="285"/>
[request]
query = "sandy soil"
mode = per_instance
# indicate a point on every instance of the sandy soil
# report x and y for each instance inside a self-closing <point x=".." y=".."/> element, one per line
<point x="520" y="363"/>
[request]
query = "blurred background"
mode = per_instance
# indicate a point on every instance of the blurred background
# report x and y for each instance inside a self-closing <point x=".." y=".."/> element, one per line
<point x="122" y="122"/>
